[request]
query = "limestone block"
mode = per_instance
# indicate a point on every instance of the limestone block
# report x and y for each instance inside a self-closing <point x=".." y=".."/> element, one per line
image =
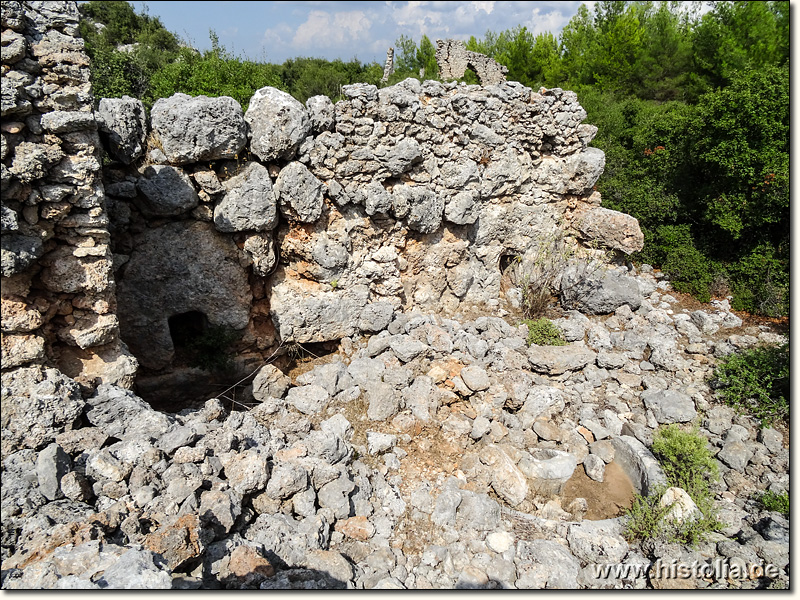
<point x="278" y="124"/>
<point x="198" y="128"/>
<point x="167" y="191"/>
<point x="249" y="202"/>
<point x="299" y="193"/>
<point x="611" y="228"/>
<point x="125" y="122"/>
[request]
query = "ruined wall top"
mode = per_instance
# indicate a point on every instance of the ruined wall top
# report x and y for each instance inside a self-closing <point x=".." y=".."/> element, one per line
<point x="454" y="59"/>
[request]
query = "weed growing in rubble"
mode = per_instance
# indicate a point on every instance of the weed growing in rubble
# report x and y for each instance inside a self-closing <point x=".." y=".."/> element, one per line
<point x="775" y="502"/>
<point x="688" y="464"/>
<point x="543" y="332"/>
<point x="536" y="276"/>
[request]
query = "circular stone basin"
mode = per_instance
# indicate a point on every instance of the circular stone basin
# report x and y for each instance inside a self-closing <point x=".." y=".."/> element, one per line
<point x="548" y="470"/>
<point x="634" y="470"/>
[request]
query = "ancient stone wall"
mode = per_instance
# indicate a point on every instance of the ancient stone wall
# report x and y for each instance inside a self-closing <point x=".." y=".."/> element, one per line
<point x="426" y="455"/>
<point x="285" y="223"/>
<point x="454" y="60"/>
<point x="58" y="293"/>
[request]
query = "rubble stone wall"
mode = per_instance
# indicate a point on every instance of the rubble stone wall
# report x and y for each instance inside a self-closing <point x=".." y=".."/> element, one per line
<point x="287" y="222"/>
<point x="58" y="292"/>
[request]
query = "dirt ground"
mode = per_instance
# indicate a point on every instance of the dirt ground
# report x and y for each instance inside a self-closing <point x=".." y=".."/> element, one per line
<point x="606" y="500"/>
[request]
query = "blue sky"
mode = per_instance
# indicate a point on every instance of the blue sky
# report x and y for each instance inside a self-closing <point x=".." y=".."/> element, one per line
<point x="275" y="31"/>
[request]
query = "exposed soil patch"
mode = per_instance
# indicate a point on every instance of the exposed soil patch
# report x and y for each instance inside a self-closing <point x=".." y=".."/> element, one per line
<point x="301" y="358"/>
<point x="606" y="500"/>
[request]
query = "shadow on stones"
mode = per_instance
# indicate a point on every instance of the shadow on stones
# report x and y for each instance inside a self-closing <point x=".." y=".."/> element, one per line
<point x="492" y="584"/>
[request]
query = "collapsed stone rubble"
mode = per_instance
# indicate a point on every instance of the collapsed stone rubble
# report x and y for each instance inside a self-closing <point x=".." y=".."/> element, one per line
<point x="432" y="454"/>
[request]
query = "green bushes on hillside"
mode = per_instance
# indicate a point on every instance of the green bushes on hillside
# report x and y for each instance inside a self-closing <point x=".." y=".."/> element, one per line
<point x="756" y="382"/>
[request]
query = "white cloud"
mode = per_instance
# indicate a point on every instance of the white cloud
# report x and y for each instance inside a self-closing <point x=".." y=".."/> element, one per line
<point x="325" y="30"/>
<point x="278" y="35"/>
<point x="540" y="23"/>
<point x="486" y="6"/>
<point x="416" y="18"/>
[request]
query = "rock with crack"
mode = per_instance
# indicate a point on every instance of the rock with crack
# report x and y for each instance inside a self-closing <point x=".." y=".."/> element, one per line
<point x="507" y="480"/>
<point x="306" y="315"/>
<point x="597" y="290"/>
<point x="555" y="360"/>
<point x="249" y="203"/>
<point x="299" y="193"/>
<point x="166" y="191"/>
<point x="38" y="404"/>
<point x="125" y="122"/>
<point x="610" y="228"/>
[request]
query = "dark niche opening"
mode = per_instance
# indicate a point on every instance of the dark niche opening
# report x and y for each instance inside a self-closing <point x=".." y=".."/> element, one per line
<point x="508" y="260"/>
<point x="187" y="327"/>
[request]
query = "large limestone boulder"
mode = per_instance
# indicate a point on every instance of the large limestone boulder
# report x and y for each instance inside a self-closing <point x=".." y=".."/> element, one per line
<point x="596" y="290"/>
<point x="507" y="480"/>
<point x="613" y="229"/>
<point x="249" y="203"/>
<point x="125" y="122"/>
<point x="166" y="191"/>
<point x="425" y="208"/>
<point x="38" y="404"/>
<point x="555" y="360"/>
<point x="112" y="364"/>
<point x="65" y="272"/>
<point x="299" y="193"/>
<point x="32" y="161"/>
<point x="278" y="124"/>
<point x="201" y="128"/>
<point x="121" y="414"/>
<point x="303" y="314"/>
<point x="321" y="112"/>
<point x="670" y="406"/>
<point x="548" y="470"/>
<point x="574" y="174"/>
<point x="174" y="269"/>
<point x="67" y="121"/>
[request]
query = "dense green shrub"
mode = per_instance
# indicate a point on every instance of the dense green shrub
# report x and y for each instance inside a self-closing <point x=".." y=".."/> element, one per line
<point x="687" y="463"/>
<point x="644" y="520"/>
<point x="212" y="73"/>
<point x="686" y="459"/>
<point x="756" y="382"/>
<point x="107" y="27"/>
<point x="776" y="502"/>
<point x="306" y="77"/>
<point x="647" y="520"/>
<point x="760" y="281"/>
<point x="543" y="332"/>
